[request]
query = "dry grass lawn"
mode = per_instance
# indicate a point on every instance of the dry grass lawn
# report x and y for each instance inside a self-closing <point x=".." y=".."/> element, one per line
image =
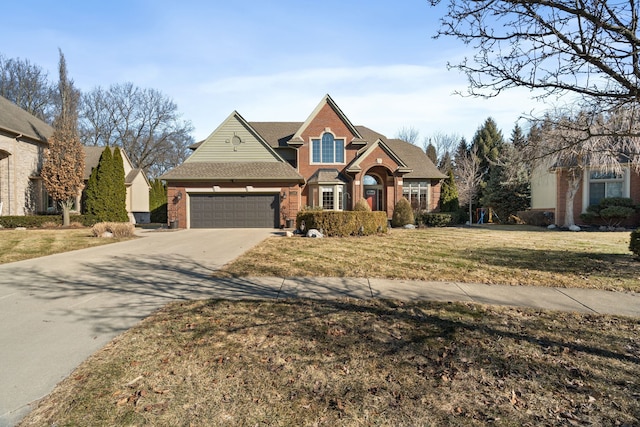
<point x="492" y="255"/>
<point x="356" y="363"/>
<point x="18" y="245"/>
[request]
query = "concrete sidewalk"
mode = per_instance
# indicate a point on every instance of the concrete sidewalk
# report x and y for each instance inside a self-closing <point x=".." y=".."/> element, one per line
<point x="548" y="298"/>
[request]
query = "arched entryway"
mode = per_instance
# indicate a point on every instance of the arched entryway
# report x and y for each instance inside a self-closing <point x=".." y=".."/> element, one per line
<point x="373" y="191"/>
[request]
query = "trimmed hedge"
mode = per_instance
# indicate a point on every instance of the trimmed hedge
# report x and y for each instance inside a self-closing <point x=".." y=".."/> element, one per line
<point x="343" y="223"/>
<point x="634" y="244"/>
<point x="437" y="219"/>
<point x="38" y="221"/>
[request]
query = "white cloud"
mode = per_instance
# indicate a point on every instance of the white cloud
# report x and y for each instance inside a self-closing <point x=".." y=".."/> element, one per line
<point x="384" y="98"/>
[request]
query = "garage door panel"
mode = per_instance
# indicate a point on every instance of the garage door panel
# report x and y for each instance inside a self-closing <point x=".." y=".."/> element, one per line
<point x="234" y="210"/>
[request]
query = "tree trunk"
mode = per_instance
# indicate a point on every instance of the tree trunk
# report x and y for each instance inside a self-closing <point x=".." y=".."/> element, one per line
<point x="66" y="207"/>
<point x="574" y="179"/>
<point x="470" y="213"/>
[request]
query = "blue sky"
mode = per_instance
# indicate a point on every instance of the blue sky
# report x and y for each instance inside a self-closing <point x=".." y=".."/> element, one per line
<point x="267" y="60"/>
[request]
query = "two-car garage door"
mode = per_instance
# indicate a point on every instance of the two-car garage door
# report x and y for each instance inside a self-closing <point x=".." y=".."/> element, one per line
<point x="234" y="210"/>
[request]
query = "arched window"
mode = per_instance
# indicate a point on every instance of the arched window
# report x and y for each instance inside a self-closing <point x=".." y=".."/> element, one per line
<point x="327" y="149"/>
<point x="370" y="180"/>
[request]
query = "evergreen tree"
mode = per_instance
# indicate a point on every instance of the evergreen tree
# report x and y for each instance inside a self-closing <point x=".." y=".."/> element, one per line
<point x="518" y="139"/>
<point x="488" y="142"/>
<point x="508" y="189"/>
<point x="431" y="153"/>
<point x="91" y="194"/>
<point x="449" y="194"/>
<point x="103" y="183"/>
<point x="158" y="201"/>
<point x="461" y="153"/>
<point x="118" y="189"/>
<point x="446" y="164"/>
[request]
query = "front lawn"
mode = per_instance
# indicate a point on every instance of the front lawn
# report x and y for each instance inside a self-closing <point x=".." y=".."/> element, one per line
<point x="492" y="255"/>
<point x="356" y="363"/>
<point x="17" y="245"/>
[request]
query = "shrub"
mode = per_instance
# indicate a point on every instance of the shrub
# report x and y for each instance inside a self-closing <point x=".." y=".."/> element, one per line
<point x="118" y="229"/>
<point x="634" y="244"/>
<point x="29" y="221"/>
<point x="441" y="219"/>
<point x="42" y="221"/>
<point x="536" y="218"/>
<point x="610" y="211"/>
<point x="342" y="224"/>
<point x="362" y="206"/>
<point x="402" y="214"/>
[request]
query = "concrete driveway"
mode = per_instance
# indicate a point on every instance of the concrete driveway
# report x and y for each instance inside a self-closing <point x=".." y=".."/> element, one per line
<point x="56" y="311"/>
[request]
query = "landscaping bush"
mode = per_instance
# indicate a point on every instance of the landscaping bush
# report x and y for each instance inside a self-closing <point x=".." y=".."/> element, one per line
<point x="634" y="244"/>
<point x="441" y="219"/>
<point x="362" y="206"/>
<point x="611" y="211"/>
<point x="402" y="214"/>
<point x="117" y="229"/>
<point x="537" y="218"/>
<point x="342" y="224"/>
<point x="43" y="221"/>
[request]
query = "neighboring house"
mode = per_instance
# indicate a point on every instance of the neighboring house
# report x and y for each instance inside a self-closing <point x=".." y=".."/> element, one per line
<point x="549" y="190"/>
<point x="135" y="180"/>
<point x="23" y="141"/>
<point x="260" y="174"/>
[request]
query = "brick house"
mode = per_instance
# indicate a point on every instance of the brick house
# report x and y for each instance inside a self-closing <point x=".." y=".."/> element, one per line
<point x="549" y="190"/>
<point x="23" y="142"/>
<point x="260" y="174"/>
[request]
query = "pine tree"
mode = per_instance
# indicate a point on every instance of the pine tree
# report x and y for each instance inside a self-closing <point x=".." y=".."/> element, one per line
<point x="63" y="168"/>
<point x="91" y="194"/>
<point x="449" y="194"/>
<point x="432" y="153"/>
<point x="507" y="189"/>
<point x="118" y="189"/>
<point x="103" y="179"/>
<point x="446" y="164"/>
<point x="158" y="201"/>
<point x="488" y="141"/>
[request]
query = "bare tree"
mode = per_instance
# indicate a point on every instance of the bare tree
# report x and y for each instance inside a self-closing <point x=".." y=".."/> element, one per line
<point x="408" y="134"/>
<point x="143" y="122"/>
<point x="469" y="178"/>
<point x="588" y="47"/>
<point x="444" y="143"/>
<point x="27" y="86"/>
<point x="63" y="167"/>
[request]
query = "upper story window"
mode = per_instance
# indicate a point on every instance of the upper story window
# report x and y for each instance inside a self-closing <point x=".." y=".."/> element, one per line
<point x="327" y="149"/>
<point x="605" y="184"/>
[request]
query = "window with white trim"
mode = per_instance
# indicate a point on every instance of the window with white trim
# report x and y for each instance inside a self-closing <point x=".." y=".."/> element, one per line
<point x="332" y="197"/>
<point x="327" y="149"/>
<point x="605" y="184"/>
<point x="417" y="193"/>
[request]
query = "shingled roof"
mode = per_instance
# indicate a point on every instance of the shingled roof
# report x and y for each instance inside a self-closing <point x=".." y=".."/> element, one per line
<point x="237" y="171"/>
<point x="17" y="121"/>
<point x="415" y="159"/>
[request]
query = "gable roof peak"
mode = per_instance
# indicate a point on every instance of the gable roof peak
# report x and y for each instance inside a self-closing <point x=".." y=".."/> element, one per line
<point x="326" y="100"/>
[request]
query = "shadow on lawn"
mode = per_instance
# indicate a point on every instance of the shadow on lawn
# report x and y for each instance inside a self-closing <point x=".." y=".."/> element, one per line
<point x="442" y="343"/>
<point x="621" y="266"/>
